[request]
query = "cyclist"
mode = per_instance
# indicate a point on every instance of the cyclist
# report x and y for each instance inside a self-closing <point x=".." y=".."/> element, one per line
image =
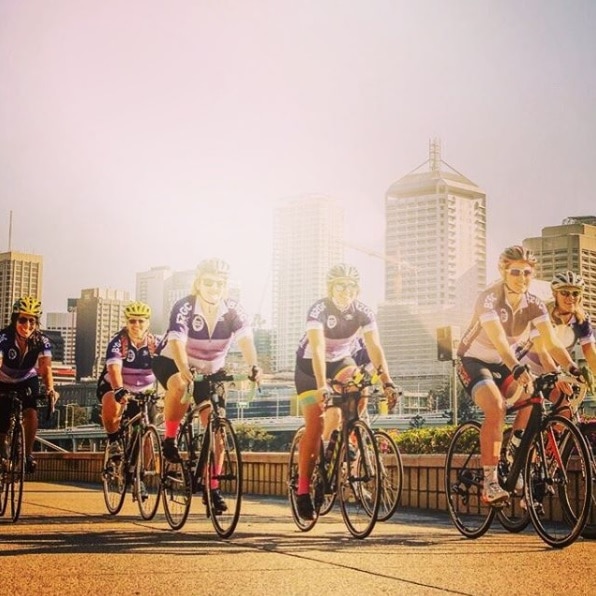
<point x="127" y="369"/>
<point x="572" y="325"/>
<point x="200" y="333"/>
<point x="25" y="356"/>
<point x="488" y="367"/>
<point x="324" y="351"/>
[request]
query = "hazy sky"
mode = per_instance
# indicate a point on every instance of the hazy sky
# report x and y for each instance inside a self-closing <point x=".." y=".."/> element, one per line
<point x="137" y="133"/>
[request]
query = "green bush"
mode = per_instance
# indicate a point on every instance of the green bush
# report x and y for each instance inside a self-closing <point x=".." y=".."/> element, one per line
<point x="423" y="440"/>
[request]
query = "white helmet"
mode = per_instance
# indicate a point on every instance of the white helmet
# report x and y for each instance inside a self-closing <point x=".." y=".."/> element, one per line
<point x="567" y="279"/>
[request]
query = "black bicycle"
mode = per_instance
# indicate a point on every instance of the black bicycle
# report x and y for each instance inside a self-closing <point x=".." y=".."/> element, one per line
<point x="352" y="471"/>
<point x="556" y="490"/>
<point x="138" y="462"/>
<point x="12" y="453"/>
<point x="211" y="460"/>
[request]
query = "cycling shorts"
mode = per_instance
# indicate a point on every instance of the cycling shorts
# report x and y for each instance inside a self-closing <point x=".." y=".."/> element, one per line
<point x="473" y="372"/>
<point x="29" y="401"/>
<point x="164" y="368"/>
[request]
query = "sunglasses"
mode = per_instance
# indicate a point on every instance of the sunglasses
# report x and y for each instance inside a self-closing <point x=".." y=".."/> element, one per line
<point x="519" y="272"/>
<point x="341" y="286"/>
<point x="25" y="320"/>
<point x="139" y="321"/>
<point x="209" y="283"/>
<point x="573" y="293"/>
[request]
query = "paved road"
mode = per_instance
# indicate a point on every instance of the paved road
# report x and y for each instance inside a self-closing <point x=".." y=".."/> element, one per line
<point x="66" y="544"/>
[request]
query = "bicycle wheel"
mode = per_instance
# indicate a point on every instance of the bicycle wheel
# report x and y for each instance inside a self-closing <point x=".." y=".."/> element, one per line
<point x="464" y="478"/>
<point x="17" y="471"/>
<point x="147" y="487"/>
<point x="558" y="490"/>
<point x="303" y="524"/>
<point x="177" y="483"/>
<point x="392" y="472"/>
<point x="359" y="485"/>
<point x="224" y="472"/>
<point x="114" y="479"/>
<point x="588" y="430"/>
<point x="512" y="515"/>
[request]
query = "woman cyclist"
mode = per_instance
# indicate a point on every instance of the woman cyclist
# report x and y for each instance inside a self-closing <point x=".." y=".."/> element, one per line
<point x="127" y="369"/>
<point x="324" y="351"/>
<point x="572" y="326"/>
<point x="25" y="356"/>
<point x="488" y="368"/>
<point x="200" y="333"/>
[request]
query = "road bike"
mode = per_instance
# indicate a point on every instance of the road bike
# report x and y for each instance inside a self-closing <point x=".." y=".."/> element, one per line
<point x="138" y="463"/>
<point x="351" y="472"/>
<point x="12" y="453"/>
<point x="557" y="490"/>
<point x="211" y="459"/>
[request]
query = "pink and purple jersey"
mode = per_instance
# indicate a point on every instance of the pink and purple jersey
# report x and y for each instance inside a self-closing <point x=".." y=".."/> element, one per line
<point x="17" y="367"/>
<point x="339" y="327"/>
<point x="492" y="305"/>
<point x="206" y="348"/>
<point x="135" y="362"/>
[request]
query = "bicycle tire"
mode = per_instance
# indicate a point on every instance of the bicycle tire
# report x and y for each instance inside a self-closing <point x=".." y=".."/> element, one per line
<point x="17" y="471"/>
<point x="464" y="478"/>
<point x="512" y="515"/>
<point x="4" y="484"/>
<point x="359" y="482"/>
<point x="177" y="483"/>
<point x="588" y="430"/>
<point x="148" y="485"/>
<point x="227" y="476"/>
<point x="558" y="494"/>
<point x="304" y="525"/>
<point x="392" y="473"/>
<point x="114" y="479"/>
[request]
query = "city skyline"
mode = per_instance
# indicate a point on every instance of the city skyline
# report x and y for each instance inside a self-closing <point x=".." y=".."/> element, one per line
<point x="176" y="140"/>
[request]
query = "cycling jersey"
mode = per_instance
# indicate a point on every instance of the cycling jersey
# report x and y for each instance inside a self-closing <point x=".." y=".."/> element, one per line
<point x="17" y="367"/>
<point x="206" y="349"/>
<point x="135" y="362"/>
<point x="492" y="305"/>
<point x="339" y="327"/>
<point x="569" y="334"/>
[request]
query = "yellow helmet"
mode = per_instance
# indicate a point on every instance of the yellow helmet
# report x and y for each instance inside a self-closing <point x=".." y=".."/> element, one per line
<point x="27" y="305"/>
<point x="137" y="309"/>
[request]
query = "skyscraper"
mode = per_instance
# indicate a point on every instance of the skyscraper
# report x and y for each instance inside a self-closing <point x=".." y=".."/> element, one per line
<point x="435" y="249"/>
<point x="100" y="314"/>
<point x="308" y="237"/>
<point x="570" y="246"/>
<point x="20" y="275"/>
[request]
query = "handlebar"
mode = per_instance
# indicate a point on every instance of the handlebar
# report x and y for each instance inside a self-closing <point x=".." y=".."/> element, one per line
<point x="221" y="376"/>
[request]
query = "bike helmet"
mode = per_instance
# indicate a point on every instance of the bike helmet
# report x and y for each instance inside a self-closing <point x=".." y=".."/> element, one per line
<point x="27" y="305"/>
<point x="137" y="309"/>
<point x="343" y="271"/>
<point x="516" y="253"/>
<point x="567" y="279"/>
<point x="213" y="266"/>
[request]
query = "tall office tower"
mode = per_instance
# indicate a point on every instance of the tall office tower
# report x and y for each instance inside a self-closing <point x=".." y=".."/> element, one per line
<point x="570" y="246"/>
<point x="100" y="314"/>
<point x="66" y="324"/>
<point x="308" y="236"/>
<point x="20" y="275"/>
<point x="435" y="252"/>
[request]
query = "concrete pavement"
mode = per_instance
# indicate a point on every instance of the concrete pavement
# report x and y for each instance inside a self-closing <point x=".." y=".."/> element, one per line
<point x="65" y="543"/>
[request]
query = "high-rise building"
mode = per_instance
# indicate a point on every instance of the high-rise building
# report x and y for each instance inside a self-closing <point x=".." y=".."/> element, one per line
<point x="20" y="275"/>
<point x="151" y="289"/>
<point x="435" y="253"/>
<point x="66" y="324"/>
<point x="570" y="246"/>
<point x="100" y="314"/>
<point x="308" y="236"/>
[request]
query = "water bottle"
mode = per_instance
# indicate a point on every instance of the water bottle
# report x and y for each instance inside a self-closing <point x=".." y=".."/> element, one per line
<point x="514" y="442"/>
<point x="331" y="445"/>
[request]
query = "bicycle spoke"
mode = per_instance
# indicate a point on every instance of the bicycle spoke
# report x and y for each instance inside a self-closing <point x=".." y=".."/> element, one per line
<point x="177" y="484"/>
<point x="17" y="472"/>
<point x="463" y="482"/>
<point x="558" y="482"/>
<point x="303" y="524"/>
<point x="391" y="470"/>
<point x="224" y="478"/>
<point x="148" y="474"/>
<point x="359" y="481"/>
<point x="114" y="481"/>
